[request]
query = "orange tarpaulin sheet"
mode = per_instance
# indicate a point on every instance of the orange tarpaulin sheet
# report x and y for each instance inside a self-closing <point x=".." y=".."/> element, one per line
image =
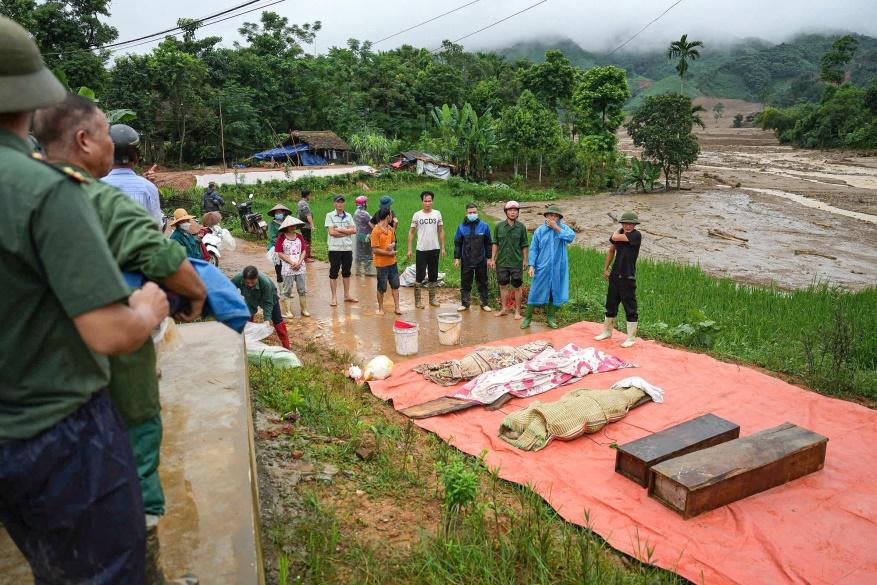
<point x="821" y="528"/>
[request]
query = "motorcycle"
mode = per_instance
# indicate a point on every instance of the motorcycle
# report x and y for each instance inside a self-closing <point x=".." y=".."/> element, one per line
<point x="214" y="239"/>
<point x="251" y="223"/>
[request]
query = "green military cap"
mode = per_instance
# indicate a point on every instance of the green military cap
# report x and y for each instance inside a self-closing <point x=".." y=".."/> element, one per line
<point x="25" y="82"/>
<point x="629" y="217"/>
<point x="555" y="209"/>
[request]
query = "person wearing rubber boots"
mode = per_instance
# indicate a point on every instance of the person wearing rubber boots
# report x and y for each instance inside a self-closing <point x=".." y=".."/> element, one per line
<point x="430" y="229"/>
<point x="69" y="493"/>
<point x="290" y="248"/>
<point x="624" y="249"/>
<point x="510" y="258"/>
<point x="260" y="292"/>
<point x="72" y="135"/>
<point x="549" y="266"/>
<point x="278" y="213"/>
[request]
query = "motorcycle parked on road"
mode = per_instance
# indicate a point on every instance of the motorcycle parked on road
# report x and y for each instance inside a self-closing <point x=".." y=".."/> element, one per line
<point x="251" y="223"/>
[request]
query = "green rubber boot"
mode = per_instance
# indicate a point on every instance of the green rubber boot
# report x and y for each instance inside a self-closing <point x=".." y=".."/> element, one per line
<point x="418" y="297"/>
<point x="528" y="316"/>
<point x="549" y="316"/>
<point x="432" y="300"/>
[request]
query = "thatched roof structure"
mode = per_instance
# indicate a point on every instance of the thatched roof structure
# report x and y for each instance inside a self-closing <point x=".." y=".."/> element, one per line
<point x="319" y="139"/>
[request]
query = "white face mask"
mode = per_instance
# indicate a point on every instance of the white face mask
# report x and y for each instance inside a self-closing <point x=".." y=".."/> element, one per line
<point x="184" y="226"/>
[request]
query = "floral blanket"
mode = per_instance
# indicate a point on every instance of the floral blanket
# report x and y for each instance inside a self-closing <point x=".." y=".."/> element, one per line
<point x="547" y="370"/>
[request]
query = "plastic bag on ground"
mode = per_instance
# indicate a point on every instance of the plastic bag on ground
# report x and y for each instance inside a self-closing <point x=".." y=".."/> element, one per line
<point x="379" y="368"/>
<point x="408" y="276"/>
<point x="259" y="352"/>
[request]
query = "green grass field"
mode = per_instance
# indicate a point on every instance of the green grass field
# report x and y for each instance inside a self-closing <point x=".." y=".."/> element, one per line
<point x="820" y="335"/>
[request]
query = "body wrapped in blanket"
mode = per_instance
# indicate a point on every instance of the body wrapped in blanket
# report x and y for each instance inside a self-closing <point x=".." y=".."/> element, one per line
<point x="576" y="413"/>
<point x="483" y="359"/>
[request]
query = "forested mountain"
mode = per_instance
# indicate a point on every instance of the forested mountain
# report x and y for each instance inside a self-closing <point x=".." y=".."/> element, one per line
<point x="752" y="69"/>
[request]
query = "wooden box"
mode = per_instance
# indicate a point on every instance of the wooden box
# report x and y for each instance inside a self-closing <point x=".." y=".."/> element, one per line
<point x="717" y="476"/>
<point x="634" y="460"/>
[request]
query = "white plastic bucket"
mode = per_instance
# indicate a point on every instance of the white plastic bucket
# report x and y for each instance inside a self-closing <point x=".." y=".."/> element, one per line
<point x="406" y="339"/>
<point x="450" y="328"/>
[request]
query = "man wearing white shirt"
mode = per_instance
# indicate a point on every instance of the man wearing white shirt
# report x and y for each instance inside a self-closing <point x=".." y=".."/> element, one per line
<point x="430" y="229"/>
<point x="341" y="229"/>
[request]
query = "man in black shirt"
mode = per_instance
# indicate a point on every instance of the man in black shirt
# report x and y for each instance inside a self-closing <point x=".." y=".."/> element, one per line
<point x="624" y="248"/>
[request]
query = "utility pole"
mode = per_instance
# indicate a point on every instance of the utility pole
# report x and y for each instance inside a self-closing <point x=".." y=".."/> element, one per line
<point x="222" y="135"/>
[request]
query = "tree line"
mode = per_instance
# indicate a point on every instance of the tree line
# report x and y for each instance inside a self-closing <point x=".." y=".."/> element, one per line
<point x="845" y="116"/>
<point x="480" y="111"/>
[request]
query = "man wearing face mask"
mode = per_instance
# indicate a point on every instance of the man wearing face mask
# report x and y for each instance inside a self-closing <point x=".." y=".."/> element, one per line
<point x="472" y="250"/>
<point x="278" y="213"/>
<point x="182" y="234"/>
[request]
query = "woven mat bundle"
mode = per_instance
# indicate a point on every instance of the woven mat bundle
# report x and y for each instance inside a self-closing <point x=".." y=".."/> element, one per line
<point x="574" y="414"/>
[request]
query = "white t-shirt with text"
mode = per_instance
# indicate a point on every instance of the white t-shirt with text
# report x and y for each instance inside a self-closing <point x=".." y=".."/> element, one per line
<point x="427" y="226"/>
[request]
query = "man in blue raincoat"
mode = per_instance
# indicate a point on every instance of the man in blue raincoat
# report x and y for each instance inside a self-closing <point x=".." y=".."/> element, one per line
<point x="549" y="266"/>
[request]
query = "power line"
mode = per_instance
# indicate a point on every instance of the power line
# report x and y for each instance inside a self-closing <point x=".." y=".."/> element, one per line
<point x="426" y="22"/>
<point x="612" y="52"/>
<point x="176" y="34"/>
<point x="493" y="24"/>
<point x="170" y="30"/>
<point x="198" y="21"/>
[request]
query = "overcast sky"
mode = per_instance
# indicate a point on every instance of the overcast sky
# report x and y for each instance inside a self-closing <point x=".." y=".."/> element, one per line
<point x="597" y="25"/>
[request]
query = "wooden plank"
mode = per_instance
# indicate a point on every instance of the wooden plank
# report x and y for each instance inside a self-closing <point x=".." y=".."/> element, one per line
<point x="717" y="476"/>
<point x="436" y="407"/>
<point x="446" y="404"/>
<point x="635" y="459"/>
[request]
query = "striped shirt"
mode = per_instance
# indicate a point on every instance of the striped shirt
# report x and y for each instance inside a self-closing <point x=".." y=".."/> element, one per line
<point x="137" y="188"/>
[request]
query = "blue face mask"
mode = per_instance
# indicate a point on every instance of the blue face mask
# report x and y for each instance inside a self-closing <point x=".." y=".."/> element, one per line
<point x="279" y="216"/>
<point x="472" y="216"/>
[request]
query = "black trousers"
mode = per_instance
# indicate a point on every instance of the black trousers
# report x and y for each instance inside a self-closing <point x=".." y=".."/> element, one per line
<point x="623" y="291"/>
<point x="70" y="499"/>
<point x="340" y="261"/>
<point x="467" y="274"/>
<point x="426" y="262"/>
<point x="277" y="268"/>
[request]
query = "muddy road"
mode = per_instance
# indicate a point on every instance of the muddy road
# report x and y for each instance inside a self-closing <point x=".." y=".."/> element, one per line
<point x="354" y="327"/>
<point x="751" y="209"/>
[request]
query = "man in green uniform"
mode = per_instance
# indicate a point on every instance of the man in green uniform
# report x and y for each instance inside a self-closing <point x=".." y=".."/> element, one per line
<point x="67" y="475"/>
<point x="73" y="135"/>
<point x="260" y="293"/>
<point x="510" y="257"/>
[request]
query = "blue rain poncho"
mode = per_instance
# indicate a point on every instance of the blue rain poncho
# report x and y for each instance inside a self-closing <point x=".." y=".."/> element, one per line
<point x="548" y="255"/>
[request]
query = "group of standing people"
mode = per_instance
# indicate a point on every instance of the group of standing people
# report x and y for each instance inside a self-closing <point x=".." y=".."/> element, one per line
<point x="369" y="241"/>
